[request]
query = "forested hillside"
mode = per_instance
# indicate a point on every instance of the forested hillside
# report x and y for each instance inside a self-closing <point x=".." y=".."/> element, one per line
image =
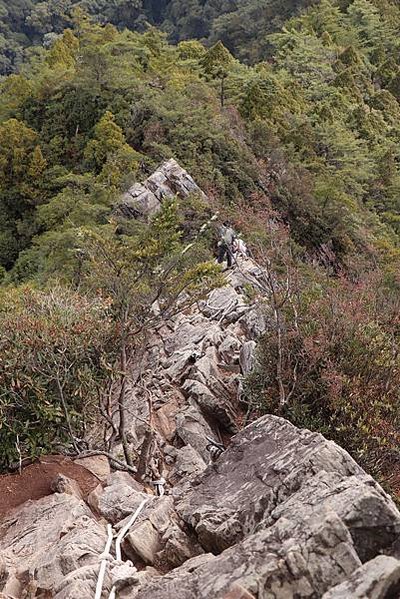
<point x="242" y="26"/>
<point x="294" y="134"/>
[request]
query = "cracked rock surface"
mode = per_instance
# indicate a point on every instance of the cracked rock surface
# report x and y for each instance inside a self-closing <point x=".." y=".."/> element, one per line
<point x="283" y="513"/>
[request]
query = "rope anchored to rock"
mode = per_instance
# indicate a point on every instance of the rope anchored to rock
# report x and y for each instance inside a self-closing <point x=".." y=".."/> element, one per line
<point x="120" y="571"/>
<point x="104" y="558"/>
<point x="159" y="486"/>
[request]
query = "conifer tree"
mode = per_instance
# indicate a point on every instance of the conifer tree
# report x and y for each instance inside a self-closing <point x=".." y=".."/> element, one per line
<point x="109" y="153"/>
<point x="217" y="62"/>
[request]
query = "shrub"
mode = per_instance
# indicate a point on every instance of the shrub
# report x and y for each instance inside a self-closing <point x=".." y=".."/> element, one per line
<point x="52" y="364"/>
<point x="340" y="368"/>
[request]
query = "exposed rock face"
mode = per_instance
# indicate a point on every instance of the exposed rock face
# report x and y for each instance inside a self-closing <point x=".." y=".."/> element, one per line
<point x="193" y="370"/>
<point x="45" y="541"/>
<point x="376" y="579"/>
<point x="120" y="497"/>
<point x="195" y="362"/>
<point x="97" y="465"/>
<point x="282" y="513"/>
<point x="303" y="473"/>
<point x="144" y="199"/>
<point x="286" y="513"/>
<point x="158" y="538"/>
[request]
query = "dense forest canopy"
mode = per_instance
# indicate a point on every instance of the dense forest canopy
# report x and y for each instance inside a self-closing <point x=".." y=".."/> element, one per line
<point x="242" y="26"/>
<point x="284" y="112"/>
<point x="96" y="108"/>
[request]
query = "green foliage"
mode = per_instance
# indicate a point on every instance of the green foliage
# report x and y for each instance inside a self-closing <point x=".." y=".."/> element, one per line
<point x="303" y="143"/>
<point x="59" y="347"/>
<point x="152" y="265"/>
<point x="122" y="106"/>
<point x="316" y="115"/>
<point x="109" y="153"/>
<point x="51" y="346"/>
<point x="217" y="60"/>
<point x="242" y="28"/>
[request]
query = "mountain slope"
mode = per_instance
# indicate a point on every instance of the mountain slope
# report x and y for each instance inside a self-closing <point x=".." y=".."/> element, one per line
<point x="36" y="22"/>
<point x="299" y="152"/>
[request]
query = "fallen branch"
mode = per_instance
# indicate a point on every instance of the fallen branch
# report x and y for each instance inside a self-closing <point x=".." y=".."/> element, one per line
<point x="144" y="454"/>
<point x="90" y="454"/>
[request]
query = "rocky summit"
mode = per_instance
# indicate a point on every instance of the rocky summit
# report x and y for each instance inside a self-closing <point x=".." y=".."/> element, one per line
<point x="168" y="181"/>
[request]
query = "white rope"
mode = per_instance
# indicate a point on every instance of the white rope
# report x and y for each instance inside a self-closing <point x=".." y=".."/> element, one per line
<point x="125" y="529"/>
<point x="220" y="307"/>
<point x="104" y="558"/>
<point x="233" y="304"/>
<point x="120" y="538"/>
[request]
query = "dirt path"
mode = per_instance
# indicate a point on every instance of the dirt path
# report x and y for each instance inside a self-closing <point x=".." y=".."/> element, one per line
<point x="35" y="481"/>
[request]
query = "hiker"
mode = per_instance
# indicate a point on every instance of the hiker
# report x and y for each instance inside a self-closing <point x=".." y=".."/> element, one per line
<point x="225" y="244"/>
<point x="239" y="248"/>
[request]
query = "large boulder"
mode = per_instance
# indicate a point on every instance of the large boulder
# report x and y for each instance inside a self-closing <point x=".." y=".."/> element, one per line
<point x="377" y="579"/>
<point x="145" y="199"/>
<point x="284" y="513"/>
<point x="119" y="499"/>
<point x="268" y="464"/>
<point x="158" y="539"/>
<point x="284" y="562"/>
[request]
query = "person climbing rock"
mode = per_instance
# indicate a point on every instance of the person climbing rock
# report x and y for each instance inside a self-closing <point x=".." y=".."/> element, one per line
<point x="225" y="244"/>
<point x="239" y="248"/>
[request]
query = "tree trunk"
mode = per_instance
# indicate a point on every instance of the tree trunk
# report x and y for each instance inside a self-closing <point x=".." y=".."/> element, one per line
<point x="222" y="96"/>
<point x="121" y="404"/>
<point x="144" y="455"/>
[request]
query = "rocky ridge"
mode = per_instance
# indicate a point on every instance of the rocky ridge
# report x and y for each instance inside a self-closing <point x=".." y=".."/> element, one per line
<point x="282" y="513"/>
<point x="144" y="199"/>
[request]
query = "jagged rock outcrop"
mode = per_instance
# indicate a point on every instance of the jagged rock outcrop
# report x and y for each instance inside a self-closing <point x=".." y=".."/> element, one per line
<point x="46" y="541"/>
<point x="282" y="513"/>
<point x="192" y="372"/>
<point x="377" y="579"/>
<point x="144" y="199"/>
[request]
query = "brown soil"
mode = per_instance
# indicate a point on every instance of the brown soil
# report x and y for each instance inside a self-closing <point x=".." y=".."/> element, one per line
<point x="35" y="481"/>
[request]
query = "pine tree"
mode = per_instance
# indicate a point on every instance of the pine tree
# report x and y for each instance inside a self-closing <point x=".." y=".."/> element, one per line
<point x="217" y="62"/>
<point x="37" y="164"/>
<point x="63" y="51"/>
<point x="109" y="153"/>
